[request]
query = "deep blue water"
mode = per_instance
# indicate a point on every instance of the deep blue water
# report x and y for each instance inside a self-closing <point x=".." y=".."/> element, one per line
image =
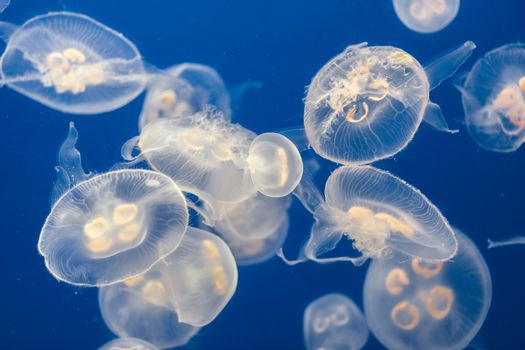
<point x="282" y="44"/>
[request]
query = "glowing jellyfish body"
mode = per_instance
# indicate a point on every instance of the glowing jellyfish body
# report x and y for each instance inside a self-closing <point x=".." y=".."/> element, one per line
<point x="275" y="165"/>
<point x="255" y="228"/>
<point x="426" y="16"/>
<point x="416" y="304"/>
<point x="493" y="95"/>
<point x="186" y="289"/>
<point x="204" y="154"/>
<point x="184" y="90"/>
<point x="366" y="103"/>
<point x="334" y="322"/>
<point x="380" y="213"/>
<point x="109" y="227"/>
<point x="72" y="63"/>
<point x="128" y="344"/>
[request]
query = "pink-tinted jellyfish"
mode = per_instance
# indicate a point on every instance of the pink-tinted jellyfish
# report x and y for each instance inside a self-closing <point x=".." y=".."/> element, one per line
<point x="412" y="303"/>
<point x="426" y="16"/>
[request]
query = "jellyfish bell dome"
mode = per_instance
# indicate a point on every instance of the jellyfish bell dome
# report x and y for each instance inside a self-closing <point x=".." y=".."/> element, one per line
<point x="412" y="303"/>
<point x="366" y="103"/>
<point x="71" y="63"/>
<point x="106" y="228"/>
<point x="426" y="16"/>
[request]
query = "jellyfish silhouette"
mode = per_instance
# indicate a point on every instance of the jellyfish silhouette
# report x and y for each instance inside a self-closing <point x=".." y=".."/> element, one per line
<point x="426" y="16"/>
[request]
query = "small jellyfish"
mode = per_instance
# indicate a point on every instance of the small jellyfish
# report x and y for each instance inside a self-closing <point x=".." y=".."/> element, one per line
<point x="128" y="344"/>
<point x="426" y="16"/>
<point x="366" y="103"/>
<point x="379" y="212"/>
<point x="411" y="303"/>
<point x="334" y="322"/>
<point x="505" y="242"/>
<point x="182" y="292"/>
<point x="184" y="90"/>
<point x="493" y="95"/>
<point x="275" y="164"/>
<point x="106" y="228"/>
<point x="71" y="63"/>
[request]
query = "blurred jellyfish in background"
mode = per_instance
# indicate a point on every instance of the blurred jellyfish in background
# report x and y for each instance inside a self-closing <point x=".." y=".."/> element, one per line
<point x="128" y="344"/>
<point x="493" y="95"/>
<point x="106" y="228"/>
<point x="366" y="103"/>
<point x="379" y="213"/>
<point x="426" y="16"/>
<point x="334" y="322"/>
<point x="412" y="303"/>
<point x="4" y="4"/>
<point x="71" y="63"/>
<point x="505" y="242"/>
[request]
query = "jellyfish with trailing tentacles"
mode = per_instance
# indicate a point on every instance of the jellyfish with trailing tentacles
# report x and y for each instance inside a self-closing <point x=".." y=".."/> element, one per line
<point x="426" y="16"/>
<point x="106" y="228"/>
<point x="71" y="63"/>
<point x="128" y="344"/>
<point x="366" y="103"/>
<point x="493" y="95"/>
<point x="334" y="322"/>
<point x="412" y="303"/>
<point x="378" y="212"/>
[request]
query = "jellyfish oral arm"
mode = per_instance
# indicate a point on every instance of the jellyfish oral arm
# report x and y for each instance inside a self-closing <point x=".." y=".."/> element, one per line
<point x="506" y="242"/>
<point x="436" y="120"/>
<point x="297" y="136"/>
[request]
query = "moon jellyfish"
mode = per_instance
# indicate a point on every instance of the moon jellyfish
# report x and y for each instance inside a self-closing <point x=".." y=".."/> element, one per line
<point x="71" y="63"/>
<point x="493" y="95"/>
<point x="426" y="16"/>
<point x="379" y="212"/>
<point x="184" y="90"/>
<point x="106" y="228"/>
<point x="412" y="303"/>
<point x="128" y="344"/>
<point x="255" y="228"/>
<point x="366" y="103"/>
<point x="275" y="164"/>
<point x="185" y="290"/>
<point x="505" y="242"/>
<point x="334" y="322"/>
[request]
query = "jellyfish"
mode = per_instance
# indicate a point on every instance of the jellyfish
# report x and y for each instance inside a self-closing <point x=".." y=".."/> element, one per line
<point x="128" y="344"/>
<point x="379" y="212"/>
<point x="493" y="96"/>
<point x="411" y="303"/>
<point x="182" y="292"/>
<point x="106" y="228"/>
<point x="255" y="228"/>
<point x="71" y="63"/>
<point x="366" y="103"/>
<point x="426" y="16"/>
<point x="184" y="90"/>
<point x="506" y="242"/>
<point x="334" y="322"/>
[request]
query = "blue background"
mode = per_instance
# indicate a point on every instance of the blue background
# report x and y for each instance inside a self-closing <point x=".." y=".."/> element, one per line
<point x="282" y="44"/>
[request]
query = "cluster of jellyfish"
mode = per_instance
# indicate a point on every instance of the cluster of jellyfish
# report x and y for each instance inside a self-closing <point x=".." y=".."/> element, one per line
<point x="127" y="231"/>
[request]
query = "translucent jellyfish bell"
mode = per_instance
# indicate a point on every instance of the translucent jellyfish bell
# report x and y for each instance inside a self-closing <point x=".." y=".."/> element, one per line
<point x="191" y="286"/>
<point x="493" y="95"/>
<point x="105" y="228"/>
<point x="71" y="63"/>
<point x="421" y="304"/>
<point x="366" y="103"/>
<point x="275" y="164"/>
<point x="128" y="344"/>
<point x="334" y="322"/>
<point x="426" y="16"/>
<point x="379" y="212"/>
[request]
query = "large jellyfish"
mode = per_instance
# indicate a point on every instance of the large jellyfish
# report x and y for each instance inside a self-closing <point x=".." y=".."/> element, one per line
<point x="184" y="90"/>
<point x="185" y="290"/>
<point x="255" y="228"/>
<point x="412" y="303"/>
<point x="128" y="344"/>
<point x="71" y="63"/>
<point x="334" y="322"/>
<point x="106" y="228"/>
<point x="493" y="95"/>
<point x="379" y="212"/>
<point x="426" y="16"/>
<point x="366" y="103"/>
